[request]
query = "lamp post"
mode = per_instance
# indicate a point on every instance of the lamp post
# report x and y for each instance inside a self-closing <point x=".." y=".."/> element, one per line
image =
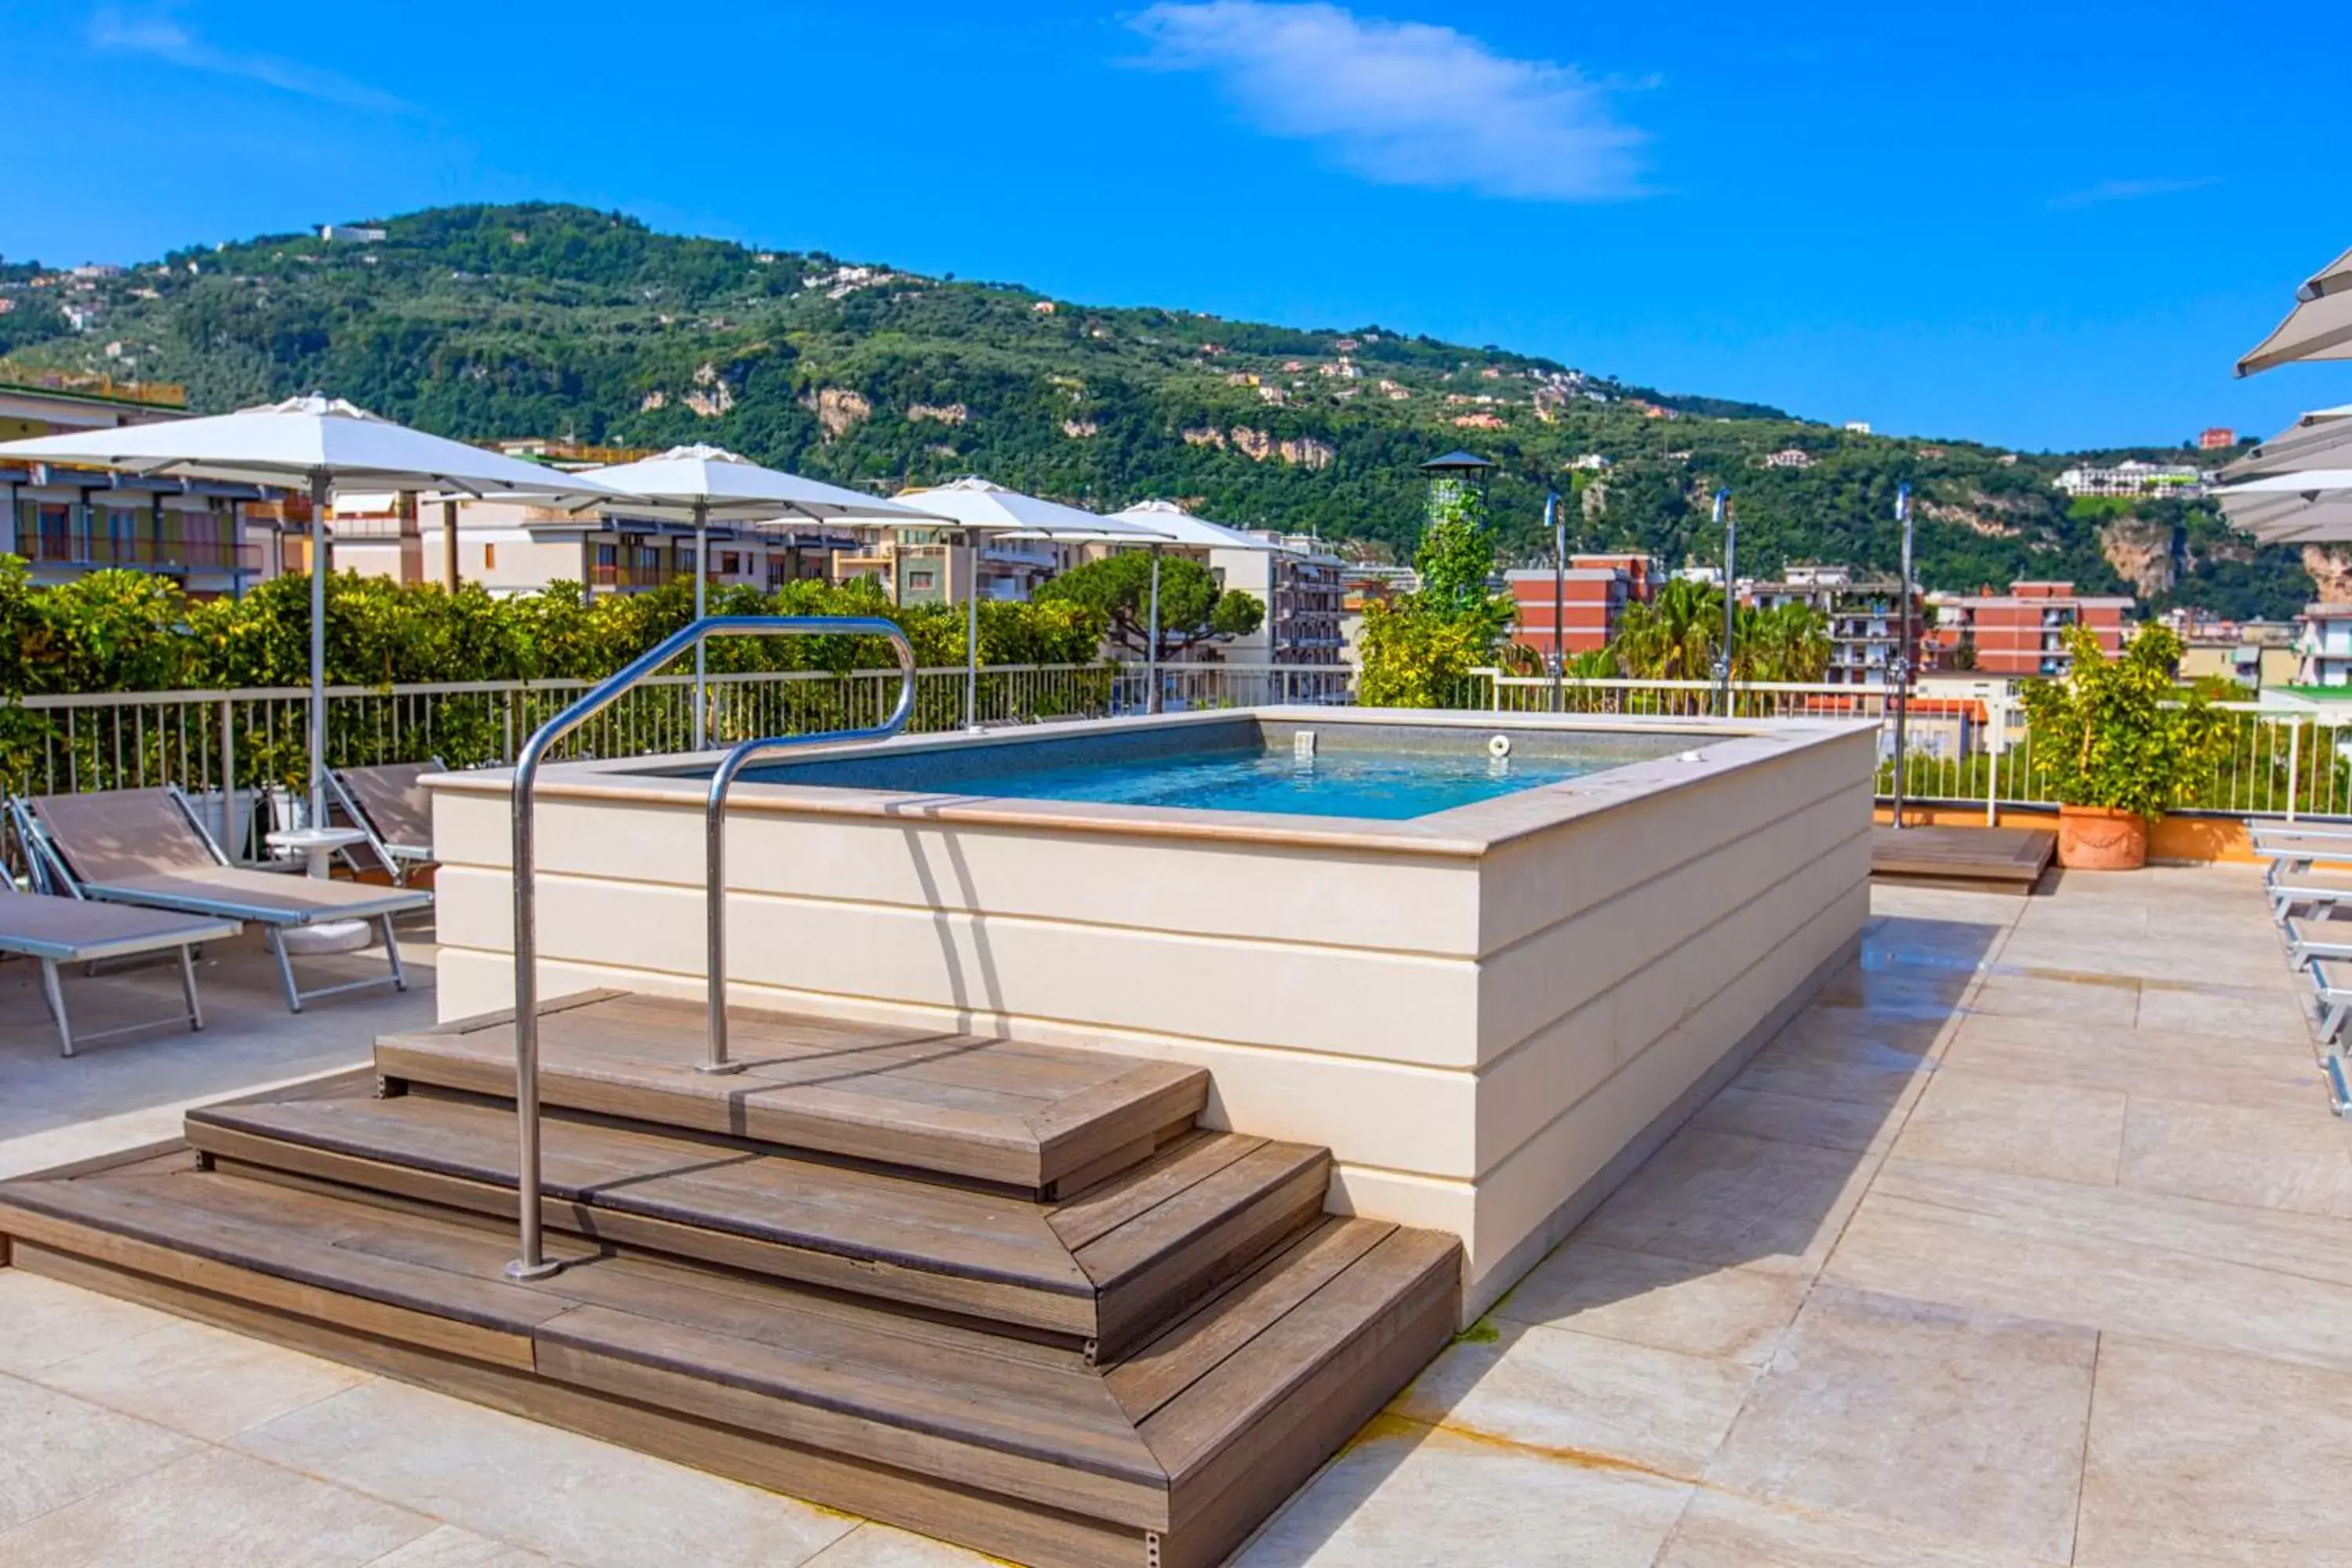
<point x="1559" y="596"/>
<point x="1902" y="671"/>
<point x="1730" y="526"/>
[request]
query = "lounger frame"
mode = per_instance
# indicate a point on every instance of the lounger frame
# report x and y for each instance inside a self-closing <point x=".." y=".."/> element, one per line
<point x="275" y="922"/>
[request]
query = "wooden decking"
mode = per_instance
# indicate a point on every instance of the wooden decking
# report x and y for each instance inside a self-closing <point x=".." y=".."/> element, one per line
<point x="1028" y="1116"/>
<point x="1994" y="860"/>
<point x="1134" y="1373"/>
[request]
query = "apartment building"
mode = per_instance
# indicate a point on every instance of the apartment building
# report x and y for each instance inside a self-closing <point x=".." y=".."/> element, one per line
<point x="935" y="565"/>
<point x="1865" y="615"/>
<point x="2023" y="631"/>
<point x="1589" y="599"/>
<point x="2323" y="645"/>
<point x="510" y="546"/>
<point x="2133" y="477"/>
<point x="1300" y="583"/>
<point x="214" y="540"/>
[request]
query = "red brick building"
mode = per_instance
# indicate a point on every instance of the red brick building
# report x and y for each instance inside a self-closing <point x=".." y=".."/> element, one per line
<point x="2216" y="438"/>
<point x="2023" y="632"/>
<point x="1595" y="593"/>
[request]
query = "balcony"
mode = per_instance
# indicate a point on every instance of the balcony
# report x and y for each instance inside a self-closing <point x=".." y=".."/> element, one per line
<point x="613" y="574"/>
<point x="166" y="554"/>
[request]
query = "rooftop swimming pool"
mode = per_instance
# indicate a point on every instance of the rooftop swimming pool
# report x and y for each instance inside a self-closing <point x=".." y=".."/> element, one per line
<point x="1391" y="775"/>
<point x="1489" y="986"/>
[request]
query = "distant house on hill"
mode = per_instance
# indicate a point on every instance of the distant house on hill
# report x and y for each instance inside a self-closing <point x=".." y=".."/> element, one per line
<point x="1789" y="458"/>
<point x="350" y="234"/>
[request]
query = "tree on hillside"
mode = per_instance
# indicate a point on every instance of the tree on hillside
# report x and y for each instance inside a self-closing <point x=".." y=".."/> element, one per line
<point x="1193" y="608"/>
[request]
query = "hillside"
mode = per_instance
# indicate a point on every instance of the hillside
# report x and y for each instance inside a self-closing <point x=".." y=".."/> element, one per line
<point x="537" y="319"/>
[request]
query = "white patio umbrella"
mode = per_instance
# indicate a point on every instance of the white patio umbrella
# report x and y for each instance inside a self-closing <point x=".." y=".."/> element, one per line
<point x="2310" y="505"/>
<point x="2318" y="327"/>
<point x="2320" y="439"/>
<point x="711" y="484"/>
<point x="318" y="445"/>
<point x="979" y="507"/>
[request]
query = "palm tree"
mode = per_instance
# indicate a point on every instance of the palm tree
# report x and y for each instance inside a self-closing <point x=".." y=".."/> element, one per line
<point x="1789" y="642"/>
<point x="1673" y="636"/>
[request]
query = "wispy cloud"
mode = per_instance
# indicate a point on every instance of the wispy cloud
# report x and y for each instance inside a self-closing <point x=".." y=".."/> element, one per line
<point x="1405" y="103"/>
<point x="2127" y="191"/>
<point x="159" y="34"/>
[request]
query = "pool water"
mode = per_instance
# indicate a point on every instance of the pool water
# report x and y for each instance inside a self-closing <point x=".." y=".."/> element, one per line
<point x="1386" y="785"/>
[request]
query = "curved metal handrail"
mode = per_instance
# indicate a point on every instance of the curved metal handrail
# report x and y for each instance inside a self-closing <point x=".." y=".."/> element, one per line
<point x="533" y="1264"/>
<point x="714" y="826"/>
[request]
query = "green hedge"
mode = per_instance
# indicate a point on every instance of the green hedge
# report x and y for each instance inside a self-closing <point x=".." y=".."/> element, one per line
<point x="134" y="631"/>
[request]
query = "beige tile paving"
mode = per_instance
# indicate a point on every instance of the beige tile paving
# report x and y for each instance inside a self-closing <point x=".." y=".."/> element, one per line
<point x="448" y="1546"/>
<point x="1571" y="1392"/>
<point x="56" y="1449"/>
<point x="1964" y="1425"/>
<point x="2204" y="1459"/>
<point x="1991" y="1122"/>
<point x="1721" y="1531"/>
<point x="216" y="1507"/>
<point x="1700" y="1310"/>
<point x="1405" y="1496"/>
<point x="2261" y="1156"/>
<point x="1713" y="1197"/>
<point x="570" y="1497"/>
<point x="48" y="1322"/>
<point x="196" y="1379"/>
<point x="879" y="1546"/>
<point x="2267" y="1283"/>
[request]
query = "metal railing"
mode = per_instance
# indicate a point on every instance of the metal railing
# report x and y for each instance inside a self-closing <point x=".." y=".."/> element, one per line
<point x="722" y="779"/>
<point x="1976" y="750"/>
<point x="533" y="1264"/>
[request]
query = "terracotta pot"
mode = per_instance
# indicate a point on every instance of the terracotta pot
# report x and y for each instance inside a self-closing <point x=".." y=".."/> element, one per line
<point x="2100" y="838"/>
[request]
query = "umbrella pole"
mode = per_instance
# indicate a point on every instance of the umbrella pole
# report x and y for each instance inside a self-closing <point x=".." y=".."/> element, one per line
<point x="1152" y="638"/>
<point x="318" y="493"/>
<point x="972" y="636"/>
<point x="701" y="590"/>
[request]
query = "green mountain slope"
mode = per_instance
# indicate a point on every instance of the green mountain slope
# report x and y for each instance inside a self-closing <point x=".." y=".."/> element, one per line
<point x="537" y="319"/>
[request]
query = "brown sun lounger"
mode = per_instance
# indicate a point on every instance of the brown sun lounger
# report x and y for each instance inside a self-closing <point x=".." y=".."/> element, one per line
<point x="145" y="848"/>
<point x="52" y="929"/>
<point x="391" y="807"/>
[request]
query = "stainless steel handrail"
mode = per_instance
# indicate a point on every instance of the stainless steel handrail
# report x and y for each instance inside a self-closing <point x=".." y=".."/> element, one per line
<point x="745" y="753"/>
<point x="533" y="1264"/>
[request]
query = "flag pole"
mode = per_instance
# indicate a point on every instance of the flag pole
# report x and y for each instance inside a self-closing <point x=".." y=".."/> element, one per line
<point x="1559" y="596"/>
<point x="1903" y="649"/>
<point x="1730" y="526"/>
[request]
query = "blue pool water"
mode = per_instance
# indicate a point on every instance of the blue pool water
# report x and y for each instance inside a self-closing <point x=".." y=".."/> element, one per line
<point x="1386" y="785"/>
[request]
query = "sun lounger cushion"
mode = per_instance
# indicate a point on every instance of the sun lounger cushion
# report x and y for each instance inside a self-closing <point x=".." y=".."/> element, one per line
<point x="108" y="834"/>
<point x="397" y="804"/>
<point x="72" y="930"/>
<point x="263" y="896"/>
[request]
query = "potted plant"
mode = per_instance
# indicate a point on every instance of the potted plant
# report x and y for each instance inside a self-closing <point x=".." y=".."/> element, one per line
<point x="2117" y="743"/>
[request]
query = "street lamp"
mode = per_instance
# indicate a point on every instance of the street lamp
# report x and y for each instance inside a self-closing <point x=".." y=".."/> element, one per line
<point x="1462" y="468"/>
<point x="1903" y="647"/>
<point x="1558" y="593"/>
<point x="1730" y="526"/>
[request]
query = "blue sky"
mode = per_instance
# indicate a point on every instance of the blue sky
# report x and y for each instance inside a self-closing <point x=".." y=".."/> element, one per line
<point x="2047" y="226"/>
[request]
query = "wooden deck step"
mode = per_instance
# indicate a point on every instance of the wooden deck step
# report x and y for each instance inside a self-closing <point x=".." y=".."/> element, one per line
<point x="1002" y="1445"/>
<point x="1106" y="1269"/>
<point x="1980" y="860"/>
<point x="1044" y="1118"/>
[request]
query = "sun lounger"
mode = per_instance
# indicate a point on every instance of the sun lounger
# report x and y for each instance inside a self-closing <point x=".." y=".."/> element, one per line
<point x="2308" y="886"/>
<point x="51" y="930"/>
<point x="2312" y="935"/>
<point x="2331" y="981"/>
<point x="391" y="807"/>
<point x="146" y="847"/>
<point x="2289" y="849"/>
